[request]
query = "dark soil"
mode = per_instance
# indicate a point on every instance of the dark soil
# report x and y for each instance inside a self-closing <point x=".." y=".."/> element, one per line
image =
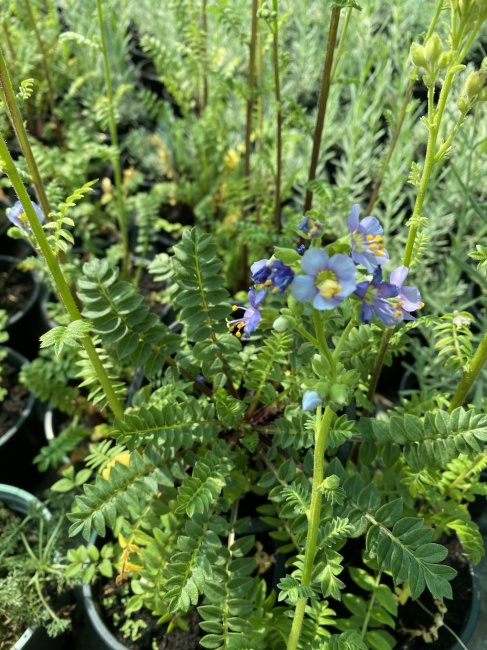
<point x="176" y="640"/>
<point x="412" y="617"/>
<point x="15" y="399"/>
<point x="15" y="289"/>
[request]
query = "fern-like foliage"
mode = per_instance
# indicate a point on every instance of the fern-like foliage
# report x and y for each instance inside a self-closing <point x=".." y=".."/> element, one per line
<point x="132" y="332"/>
<point x="126" y="491"/>
<point x="454" y="339"/>
<point x="203" y="303"/>
<point x="266" y="367"/>
<point x="435" y="440"/>
<point x="60" y="237"/>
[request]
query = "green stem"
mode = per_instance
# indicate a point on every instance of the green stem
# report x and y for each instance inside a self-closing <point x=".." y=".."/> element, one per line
<point x="320" y="336"/>
<point x="16" y="119"/>
<point x="114" y="137"/>
<point x="47" y="73"/>
<point x="325" y="90"/>
<point x="277" y="91"/>
<point x="204" y="38"/>
<point x="250" y="84"/>
<point x="314" y="518"/>
<point x="379" y="362"/>
<point x="468" y="378"/>
<point x="343" y="339"/>
<point x="57" y="275"/>
<point x="305" y="334"/>
<point x="341" y="42"/>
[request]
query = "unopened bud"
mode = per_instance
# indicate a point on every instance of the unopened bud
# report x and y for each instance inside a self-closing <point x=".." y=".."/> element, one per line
<point x="283" y="323"/>
<point x="339" y="394"/>
<point x="475" y="83"/>
<point x="433" y="48"/>
<point x="462" y="104"/>
<point x="427" y="80"/>
<point x="445" y="59"/>
<point x="482" y="95"/>
<point x="418" y="56"/>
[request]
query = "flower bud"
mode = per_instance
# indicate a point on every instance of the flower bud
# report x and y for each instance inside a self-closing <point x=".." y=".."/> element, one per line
<point x="475" y="83"/>
<point x="482" y="95"/>
<point x="311" y="400"/>
<point x="433" y="48"/>
<point x="445" y="59"/>
<point x="283" y="323"/>
<point x="462" y="104"/>
<point x="418" y="56"/>
<point x="339" y="394"/>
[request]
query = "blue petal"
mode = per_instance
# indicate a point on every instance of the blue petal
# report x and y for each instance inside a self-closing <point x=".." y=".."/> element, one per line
<point x="387" y="290"/>
<point x="367" y="313"/>
<point x="311" y="400"/>
<point x="371" y="226"/>
<point x="303" y="288"/>
<point x="353" y="217"/>
<point x="314" y="261"/>
<point x="361" y="289"/>
<point x="324" y="304"/>
<point x="366" y="259"/>
<point x="399" y="275"/>
<point x="260" y="271"/>
<point x="411" y="298"/>
<point x="386" y="312"/>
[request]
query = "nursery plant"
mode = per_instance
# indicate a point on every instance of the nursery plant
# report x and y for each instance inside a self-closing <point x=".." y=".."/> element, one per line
<point x="263" y="403"/>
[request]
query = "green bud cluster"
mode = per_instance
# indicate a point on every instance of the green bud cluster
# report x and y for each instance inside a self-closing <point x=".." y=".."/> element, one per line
<point x="475" y="91"/>
<point x="431" y="57"/>
<point x="265" y="13"/>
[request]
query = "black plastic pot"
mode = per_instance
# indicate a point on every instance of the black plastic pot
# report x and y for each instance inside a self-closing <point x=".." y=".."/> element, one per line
<point x="18" y="501"/>
<point x="24" y="326"/>
<point x="22" y="441"/>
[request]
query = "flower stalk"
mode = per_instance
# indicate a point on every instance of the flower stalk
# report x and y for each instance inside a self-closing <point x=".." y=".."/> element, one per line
<point x="314" y="517"/>
<point x="57" y="275"/>
<point x="117" y="168"/>
<point x="277" y="92"/>
<point x="325" y="90"/>
<point x="471" y="374"/>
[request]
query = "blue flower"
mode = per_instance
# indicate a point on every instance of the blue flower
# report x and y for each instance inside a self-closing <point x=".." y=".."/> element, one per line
<point x="367" y="247"/>
<point x="409" y="298"/>
<point x="375" y="296"/>
<point x="311" y="226"/>
<point x="16" y="215"/>
<point x="328" y="280"/>
<point x="273" y="274"/>
<point x="311" y="400"/>
<point x="300" y="249"/>
<point x="251" y="317"/>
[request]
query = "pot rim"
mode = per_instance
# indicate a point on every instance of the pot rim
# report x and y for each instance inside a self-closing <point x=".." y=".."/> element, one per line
<point x="33" y="296"/>
<point x="17" y="359"/>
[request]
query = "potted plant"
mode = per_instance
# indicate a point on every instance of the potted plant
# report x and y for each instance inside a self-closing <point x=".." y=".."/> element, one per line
<point x="33" y="612"/>
<point x="255" y="407"/>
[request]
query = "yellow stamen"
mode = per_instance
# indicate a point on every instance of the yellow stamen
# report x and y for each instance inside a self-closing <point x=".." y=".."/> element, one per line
<point x="234" y="307"/>
<point x="238" y="334"/>
<point x="421" y="305"/>
<point x="370" y="237"/>
<point x="240" y="325"/>
<point x="398" y="312"/>
<point x="329" y="288"/>
<point x="275" y="290"/>
<point x="267" y="283"/>
<point x="401" y="302"/>
<point x="231" y="328"/>
<point x="379" y="254"/>
<point x="381" y="246"/>
<point x="378" y="238"/>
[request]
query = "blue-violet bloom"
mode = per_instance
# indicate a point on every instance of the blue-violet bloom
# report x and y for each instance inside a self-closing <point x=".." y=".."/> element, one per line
<point x="375" y="296"/>
<point x="272" y="274"/>
<point x="17" y="216"/>
<point x="300" y="249"/>
<point x="328" y="280"/>
<point x="311" y="226"/>
<point x="409" y="298"/>
<point x="251" y="317"/>
<point x="367" y="247"/>
<point x="311" y="400"/>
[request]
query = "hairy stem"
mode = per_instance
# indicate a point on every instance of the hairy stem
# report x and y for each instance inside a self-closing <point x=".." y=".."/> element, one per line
<point x="325" y="90"/>
<point x="47" y="73"/>
<point x="57" y="275"/>
<point x="314" y="516"/>
<point x="277" y="92"/>
<point x="468" y="378"/>
<point x="122" y="221"/>
<point x="16" y="119"/>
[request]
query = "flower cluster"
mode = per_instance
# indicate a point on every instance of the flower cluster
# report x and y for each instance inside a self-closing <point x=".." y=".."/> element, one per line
<point x="327" y="280"/>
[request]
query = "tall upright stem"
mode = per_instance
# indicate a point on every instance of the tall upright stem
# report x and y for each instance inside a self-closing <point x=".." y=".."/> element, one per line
<point x="204" y="38"/>
<point x="251" y="85"/>
<point x="114" y="137"/>
<point x="277" y="92"/>
<point x="468" y="378"/>
<point x="21" y="133"/>
<point x="325" y="90"/>
<point x="314" y="518"/>
<point x="57" y="275"/>
<point x="47" y="73"/>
